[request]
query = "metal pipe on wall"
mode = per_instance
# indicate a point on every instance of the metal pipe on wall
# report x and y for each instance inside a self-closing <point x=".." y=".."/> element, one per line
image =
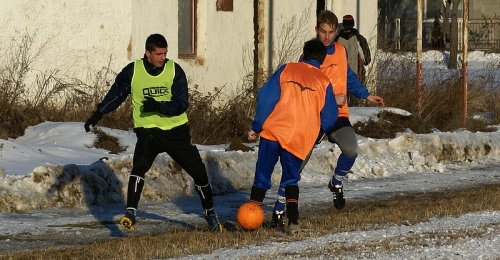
<point x="465" y="46"/>
<point x="419" y="58"/>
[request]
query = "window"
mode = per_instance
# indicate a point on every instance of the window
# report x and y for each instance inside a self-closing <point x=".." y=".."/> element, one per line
<point x="187" y="28"/>
<point x="320" y="6"/>
<point x="224" y="5"/>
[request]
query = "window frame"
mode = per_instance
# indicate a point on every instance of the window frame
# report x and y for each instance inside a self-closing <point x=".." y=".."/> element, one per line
<point x="224" y="5"/>
<point x="193" y="31"/>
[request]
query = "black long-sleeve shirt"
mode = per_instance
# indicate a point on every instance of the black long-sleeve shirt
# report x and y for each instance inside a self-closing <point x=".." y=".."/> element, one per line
<point x="121" y="88"/>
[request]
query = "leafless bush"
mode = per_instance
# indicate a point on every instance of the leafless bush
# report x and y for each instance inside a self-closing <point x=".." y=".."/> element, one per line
<point x="19" y="56"/>
<point x="440" y="105"/>
<point x="213" y="123"/>
<point x="289" y="39"/>
<point x="223" y="116"/>
<point x="51" y="96"/>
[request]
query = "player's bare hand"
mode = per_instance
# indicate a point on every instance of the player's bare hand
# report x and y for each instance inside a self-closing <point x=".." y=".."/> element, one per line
<point x="376" y="99"/>
<point x="252" y="135"/>
<point x="341" y="99"/>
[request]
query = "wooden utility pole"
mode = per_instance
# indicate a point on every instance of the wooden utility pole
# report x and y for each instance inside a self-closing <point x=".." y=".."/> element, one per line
<point x="259" y="49"/>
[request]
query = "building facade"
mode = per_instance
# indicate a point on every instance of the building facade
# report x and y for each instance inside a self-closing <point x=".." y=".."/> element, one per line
<point x="217" y="42"/>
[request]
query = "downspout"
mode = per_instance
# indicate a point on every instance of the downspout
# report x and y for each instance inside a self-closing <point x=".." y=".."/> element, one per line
<point x="419" y="58"/>
<point x="358" y="14"/>
<point x="465" y="47"/>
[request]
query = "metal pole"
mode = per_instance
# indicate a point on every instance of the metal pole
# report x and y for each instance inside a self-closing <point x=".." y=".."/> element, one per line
<point x="465" y="46"/>
<point x="255" y="44"/>
<point x="419" y="58"/>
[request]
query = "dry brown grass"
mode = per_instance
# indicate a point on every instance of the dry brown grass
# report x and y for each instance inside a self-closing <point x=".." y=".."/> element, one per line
<point x="107" y="142"/>
<point x="389" y="125"/>
<point x="401" y="209"/>
<point x="222" y="116"/>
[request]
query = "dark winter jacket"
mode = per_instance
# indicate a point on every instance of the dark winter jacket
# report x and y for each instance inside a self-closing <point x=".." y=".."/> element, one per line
<point x="347" y="33"/>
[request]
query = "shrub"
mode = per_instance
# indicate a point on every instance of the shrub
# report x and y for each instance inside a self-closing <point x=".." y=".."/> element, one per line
<point x="222" y="117"/>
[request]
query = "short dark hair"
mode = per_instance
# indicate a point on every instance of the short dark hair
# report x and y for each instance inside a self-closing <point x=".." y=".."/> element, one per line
<point x="314" y="49"/>
<point x="328" y="17"/>
<point x="156" y="41"/>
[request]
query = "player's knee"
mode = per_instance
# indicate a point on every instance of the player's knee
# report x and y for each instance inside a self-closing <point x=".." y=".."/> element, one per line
<point x="351" y="152"/>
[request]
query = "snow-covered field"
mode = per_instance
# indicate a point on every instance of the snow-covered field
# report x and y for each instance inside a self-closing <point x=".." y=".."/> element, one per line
<point x="54" y="195"/>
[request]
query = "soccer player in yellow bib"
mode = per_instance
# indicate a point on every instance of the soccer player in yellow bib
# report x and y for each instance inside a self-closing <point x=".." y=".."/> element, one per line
<point x="159" y="95"/>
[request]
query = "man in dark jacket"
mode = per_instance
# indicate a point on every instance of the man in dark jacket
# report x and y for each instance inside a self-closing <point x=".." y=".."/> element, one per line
<point x="159" y="95"/>
<point x="358" y="51"/>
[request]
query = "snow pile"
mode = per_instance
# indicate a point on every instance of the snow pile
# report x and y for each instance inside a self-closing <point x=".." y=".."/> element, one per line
<point x="103" y="182"/>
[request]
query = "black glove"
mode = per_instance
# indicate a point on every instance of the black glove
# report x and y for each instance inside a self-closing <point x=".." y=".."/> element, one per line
<point x="92" y="120"/>
<point x="151" y="105"/>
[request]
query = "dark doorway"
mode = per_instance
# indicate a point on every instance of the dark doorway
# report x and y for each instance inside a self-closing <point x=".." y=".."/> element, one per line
<point x="320" y="6"/>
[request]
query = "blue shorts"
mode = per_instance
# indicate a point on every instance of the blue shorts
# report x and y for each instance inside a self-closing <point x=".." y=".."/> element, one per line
<point x="269" y="153"/>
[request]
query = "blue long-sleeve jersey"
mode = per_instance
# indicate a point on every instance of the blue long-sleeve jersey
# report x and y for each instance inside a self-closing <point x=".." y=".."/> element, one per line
<point x="272" y="91"/>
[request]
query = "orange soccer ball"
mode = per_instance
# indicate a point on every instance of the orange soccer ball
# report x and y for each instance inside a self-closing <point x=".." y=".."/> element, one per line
<point x="250" y="216"/>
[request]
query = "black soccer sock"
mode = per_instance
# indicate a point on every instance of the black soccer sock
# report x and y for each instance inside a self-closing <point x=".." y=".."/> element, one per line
<point x="206" y="196"/>
<point x="135" y="186"/>
<point x="292" y="204"/>
<point x="257" y="195"/>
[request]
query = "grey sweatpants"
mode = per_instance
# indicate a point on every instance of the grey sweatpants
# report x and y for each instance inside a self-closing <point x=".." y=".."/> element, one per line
<point x="345" y="138"/>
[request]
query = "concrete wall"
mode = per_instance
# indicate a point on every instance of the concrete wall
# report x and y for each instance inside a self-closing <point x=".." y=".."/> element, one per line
<point x="285" y="42"/>
<point x="81" y="37"/>
<point x="223" y="38"/>
<point x="365" y="13"/>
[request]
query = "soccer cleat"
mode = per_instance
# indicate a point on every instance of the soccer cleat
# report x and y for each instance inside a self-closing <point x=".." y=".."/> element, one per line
<point x="278" y="220"/>
<point x="214" y="223"/>
<point x="128" y="221"/>
<point x="338" y="195"/>
<point x="294" y="228"/>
